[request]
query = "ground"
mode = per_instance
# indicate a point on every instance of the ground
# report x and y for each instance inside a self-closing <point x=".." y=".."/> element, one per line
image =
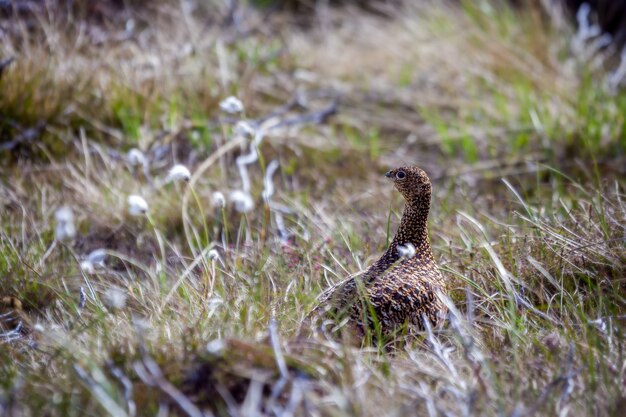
<point x="191" y="307"/>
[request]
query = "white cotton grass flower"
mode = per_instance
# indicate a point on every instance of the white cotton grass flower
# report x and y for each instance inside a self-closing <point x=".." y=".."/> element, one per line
<point x="87" y="267"/>
<point x="216" y="346"/>
<point x="244" y="129"/>
<point x="213" y="254"/>
<point x="64" y="214"/>
<point x="115" y="297"/>
<point x="218" y="199"/>
<point x="243" y="201"/>
<point x="94" y="260"/>
<point x="64" y="229"/>
<point x="406" y="251"/>
<point x="231" y="105"/>
<point x="136" y="158"/>
<point x="177" y="173"/>
<point x="137" y="205"/>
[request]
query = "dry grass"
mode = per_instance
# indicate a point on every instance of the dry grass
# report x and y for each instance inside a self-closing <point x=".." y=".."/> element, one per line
<point x="195" y="309"/>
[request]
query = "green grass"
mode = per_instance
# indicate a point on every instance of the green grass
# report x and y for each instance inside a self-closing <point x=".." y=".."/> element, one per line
<point x="524" y="144"/>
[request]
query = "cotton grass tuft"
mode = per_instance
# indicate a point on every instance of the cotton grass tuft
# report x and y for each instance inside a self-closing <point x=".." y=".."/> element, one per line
<point x="242" y="201"/>
<point x="178" y="173"/>
<point x="137" y="205"/>
<point x="218" y="199"/>
<point x="115" y="297"/>
<point x="65" y="229"/>
<point x="94" y="260"/>
<point x="231" y="105"/>
<point x="136" y="158"/>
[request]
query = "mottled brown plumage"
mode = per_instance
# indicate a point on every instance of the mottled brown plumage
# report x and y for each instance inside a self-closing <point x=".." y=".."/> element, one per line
<point x="401" y="290"/>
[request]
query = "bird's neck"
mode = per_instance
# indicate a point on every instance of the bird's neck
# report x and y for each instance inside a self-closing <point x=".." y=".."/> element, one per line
<point x="413" y="228"/>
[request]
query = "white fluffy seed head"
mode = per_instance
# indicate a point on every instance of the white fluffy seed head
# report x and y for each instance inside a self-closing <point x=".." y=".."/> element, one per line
<point x="115" y="297"/>
<point x="216" y="346"/>
<point x="64" y="214"/>
<point x="177" y="173"/>
<point x="64" y="228"/>
<point x="406" y="251"/>
<point x="213" y="254"/>
<point x="94" y="260"/>
<point x="137" y="206"/>
<point x="218" y="199"/>
<point x="231" y="105"/>
<point x="64" y="231"/>
<point x="136" y="158"/>
<point x="242" y="201"/>
<point x="87" y="267"/>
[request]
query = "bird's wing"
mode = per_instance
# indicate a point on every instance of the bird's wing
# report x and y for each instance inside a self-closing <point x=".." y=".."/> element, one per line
<point x="405" y="291"/>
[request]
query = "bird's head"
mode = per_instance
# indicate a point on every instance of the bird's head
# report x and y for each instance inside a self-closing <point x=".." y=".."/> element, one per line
<point x="411" y="182"/>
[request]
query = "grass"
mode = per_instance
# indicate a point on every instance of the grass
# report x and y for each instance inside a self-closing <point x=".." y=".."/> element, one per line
<point x="196" y="308"/>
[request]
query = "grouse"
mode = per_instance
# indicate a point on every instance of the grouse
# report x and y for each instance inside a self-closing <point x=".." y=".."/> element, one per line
<point x="401" y="288"/>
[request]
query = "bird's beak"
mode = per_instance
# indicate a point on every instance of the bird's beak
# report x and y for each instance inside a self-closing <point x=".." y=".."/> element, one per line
<point x="388" y="174"/>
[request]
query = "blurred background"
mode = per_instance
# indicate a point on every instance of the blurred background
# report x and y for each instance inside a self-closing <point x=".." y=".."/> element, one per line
<point x="180" y="179"/>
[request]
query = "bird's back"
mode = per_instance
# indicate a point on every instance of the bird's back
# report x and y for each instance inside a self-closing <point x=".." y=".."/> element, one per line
<point x="406" y="294"/>
<point x="403" y="293"/>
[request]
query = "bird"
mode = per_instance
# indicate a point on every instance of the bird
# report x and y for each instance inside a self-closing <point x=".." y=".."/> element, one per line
<point x="401" y="289"/>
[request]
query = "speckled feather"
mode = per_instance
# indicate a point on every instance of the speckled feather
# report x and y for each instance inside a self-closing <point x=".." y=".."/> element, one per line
<point x="400" y="290"/>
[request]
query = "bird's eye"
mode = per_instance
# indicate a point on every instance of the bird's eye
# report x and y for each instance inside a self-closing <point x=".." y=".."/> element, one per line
<point x="401" y="175"/>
